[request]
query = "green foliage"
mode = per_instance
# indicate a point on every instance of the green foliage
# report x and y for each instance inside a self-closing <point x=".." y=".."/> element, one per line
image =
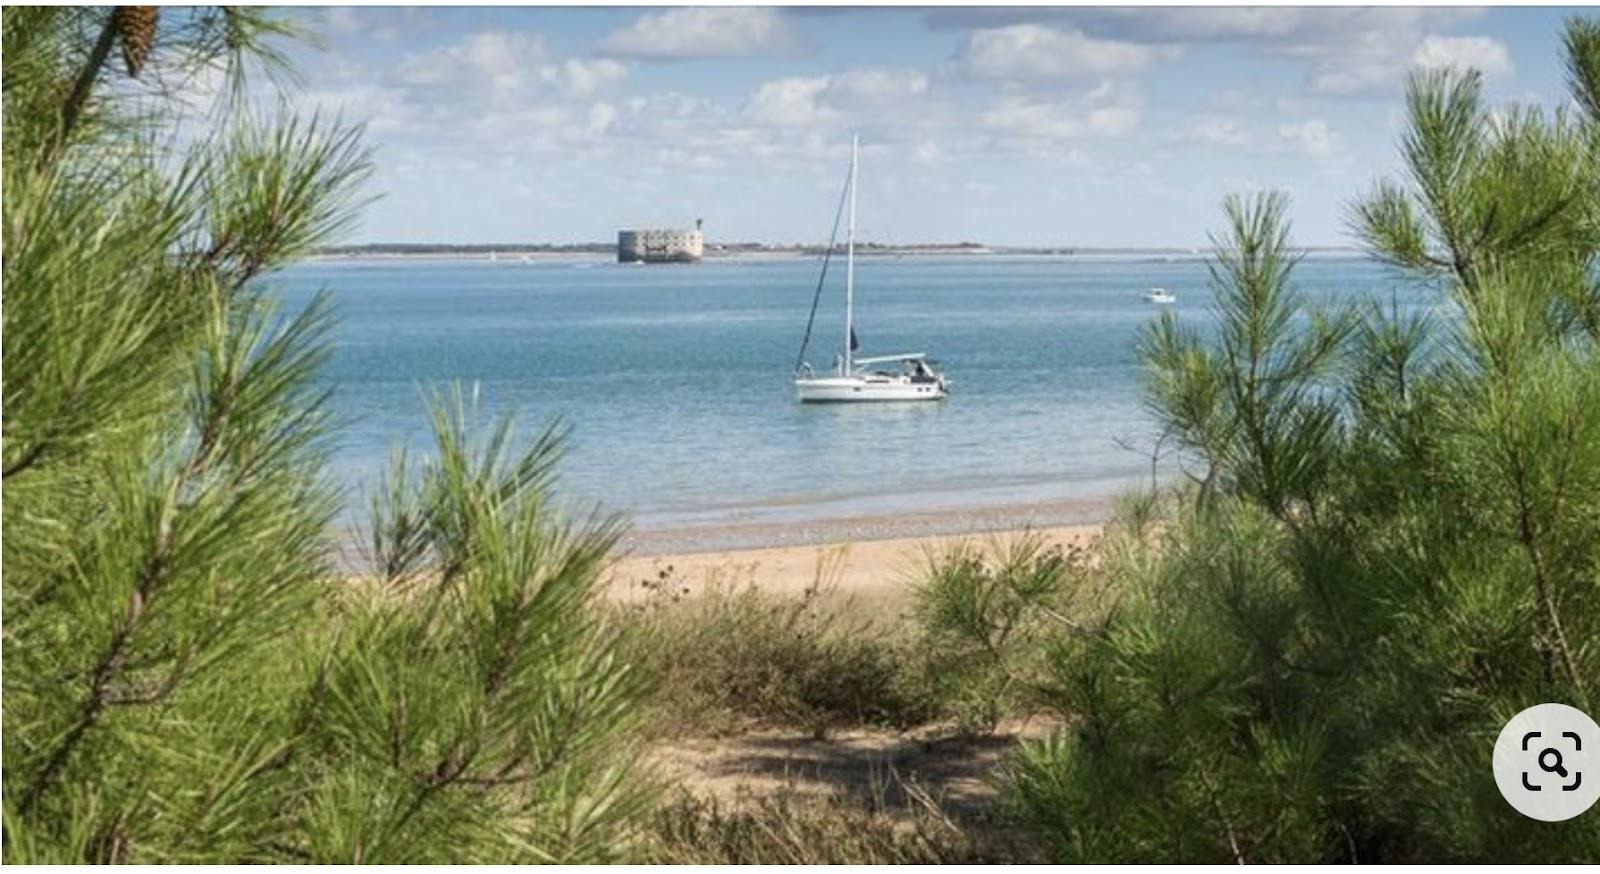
<point x="1400" y="552"/>
<point x="728" y="658"/>
<point x="983" y="614"/>
<point x="474" y="710"/>
<point x="188" y="679"/>
<point x="1582" y="43"/>
<point x="1251" y="405"/>
<point x="1494" y="192"/>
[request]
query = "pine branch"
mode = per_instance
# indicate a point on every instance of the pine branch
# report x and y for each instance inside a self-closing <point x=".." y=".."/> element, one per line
<point x="72" y="110"/>
<point x="105" y="673"/>
<point x="1527" y="532"/>
<point x="1223" y="820"/>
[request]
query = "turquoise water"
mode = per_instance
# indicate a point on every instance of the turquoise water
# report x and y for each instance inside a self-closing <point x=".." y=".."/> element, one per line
<point x="674" y="378"/>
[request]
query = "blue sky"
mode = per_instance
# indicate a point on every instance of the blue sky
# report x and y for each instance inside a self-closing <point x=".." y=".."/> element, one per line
<point x="1036" y="126"/>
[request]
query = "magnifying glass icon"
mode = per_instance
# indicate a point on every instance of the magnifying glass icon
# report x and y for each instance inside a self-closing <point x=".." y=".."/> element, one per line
<point x="1558" y="767"/>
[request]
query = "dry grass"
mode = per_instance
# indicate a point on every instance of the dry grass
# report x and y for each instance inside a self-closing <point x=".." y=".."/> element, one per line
<point x="805" y="728"/>
<point x="731" y="657"/>
<point x="791" y="828"/>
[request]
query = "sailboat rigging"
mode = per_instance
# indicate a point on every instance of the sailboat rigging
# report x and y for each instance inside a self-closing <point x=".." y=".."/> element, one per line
<point x="917" y="380"/>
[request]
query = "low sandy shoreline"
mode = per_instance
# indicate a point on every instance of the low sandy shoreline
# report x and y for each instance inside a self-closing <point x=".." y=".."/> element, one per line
<point x="866" y="556"/>
<point x="786" y="552"/>
<point x="873" y="569"/>
<point x="730" y="534"/>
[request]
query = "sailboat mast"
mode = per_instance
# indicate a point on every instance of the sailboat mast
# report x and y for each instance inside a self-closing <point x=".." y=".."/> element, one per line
<point x="850" y="266"/>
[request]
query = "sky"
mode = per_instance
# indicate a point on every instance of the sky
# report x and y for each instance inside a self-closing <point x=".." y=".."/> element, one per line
<point x="1058" y="127"/>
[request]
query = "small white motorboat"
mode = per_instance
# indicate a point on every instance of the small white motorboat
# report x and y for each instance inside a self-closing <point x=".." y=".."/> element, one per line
<point x="851" y="381"/>
<point x="1160" y="295"/>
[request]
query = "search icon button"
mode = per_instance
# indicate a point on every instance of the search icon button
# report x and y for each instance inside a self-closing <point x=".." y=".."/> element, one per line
<point x="1556" y="768"/>
<point x="1540" y="760"/>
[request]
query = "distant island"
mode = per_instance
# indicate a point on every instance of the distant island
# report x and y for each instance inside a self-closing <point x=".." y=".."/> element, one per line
<point x="515" y="251"/>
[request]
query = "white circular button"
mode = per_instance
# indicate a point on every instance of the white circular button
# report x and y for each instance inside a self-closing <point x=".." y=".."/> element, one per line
<point x="1547" y="762"/>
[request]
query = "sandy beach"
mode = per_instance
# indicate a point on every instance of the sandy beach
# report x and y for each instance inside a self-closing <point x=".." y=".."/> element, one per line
<point x="732" y="533"/>
<point x="874" y="570"/>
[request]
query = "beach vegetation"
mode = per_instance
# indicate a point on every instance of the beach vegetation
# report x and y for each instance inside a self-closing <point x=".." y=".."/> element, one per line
<point x="727" y="657"/>
<point x="832" y="828"/>
<point x="964" y="654"/>
<point x="190" y="675"/>
<point x="1392" y="543"/>
<point x="984" y="611"/>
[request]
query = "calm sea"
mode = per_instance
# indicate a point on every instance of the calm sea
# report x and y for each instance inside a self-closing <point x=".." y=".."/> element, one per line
<point x="675" y="378"/>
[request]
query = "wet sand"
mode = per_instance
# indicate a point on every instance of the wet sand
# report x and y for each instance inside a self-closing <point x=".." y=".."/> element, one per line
<point x="954" y="522"/>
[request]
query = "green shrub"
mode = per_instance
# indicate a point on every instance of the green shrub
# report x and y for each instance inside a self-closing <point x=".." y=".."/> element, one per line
<point x="983" y="614"/>
<point x="731" y="657"/>
<point x="1393" y="545"/>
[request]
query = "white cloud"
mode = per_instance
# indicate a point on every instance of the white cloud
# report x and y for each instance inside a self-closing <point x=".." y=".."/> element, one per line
<point x="799" y="101"/>
<point x="342" y="19"/>
<point x="1313" y="137"/>
<point x="1488" y="56"/>
<point x="585" y="77"/>
<point x="671" y="118"/>
<point x="1216" y="132"/>
<point x="506" y="65"/>
<point x="1273" y="27"/>
<point x="711" y="32"/>
<point x="1377" y="63"/>
<point x="1349" y="51"/>
<point x="791" y="102"/>
<point x="601" y="116"/>
<point x="383" y="110"/>
<point x="1354" y="77"/>
<point x="533" y="126"/>
<point x="1369" y="52"/>
<point x="497" y="60"/>
<point x="1224" y="23"/>
<point x="1281" y="27"/>
<point x="369" y="22"/>
<point x="1113" y="121"/>
<point x="1032" y="121"/>
<point x="694" y="160"/>
<point x="878" y="85"/>
<point x="672" y="105"/>
<point x="1032" y="51"/>
<point x="928" y="152"/>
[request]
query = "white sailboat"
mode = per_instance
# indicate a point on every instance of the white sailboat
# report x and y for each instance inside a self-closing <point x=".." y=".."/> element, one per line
<point x="852" y="380"/>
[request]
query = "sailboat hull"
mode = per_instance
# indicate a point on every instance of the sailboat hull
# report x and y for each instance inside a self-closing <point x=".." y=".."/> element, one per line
<point x="855" y="390"/>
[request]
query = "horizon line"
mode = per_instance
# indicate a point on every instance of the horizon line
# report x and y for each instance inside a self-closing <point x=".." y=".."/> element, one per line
<point x="608" y="246"/>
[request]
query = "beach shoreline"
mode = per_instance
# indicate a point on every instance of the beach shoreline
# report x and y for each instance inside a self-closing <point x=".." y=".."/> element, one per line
<point x="876" y="571"/>
<point x="871" y="557"/>
<point x="734" y="542"/>
<point x="963" y="521"/>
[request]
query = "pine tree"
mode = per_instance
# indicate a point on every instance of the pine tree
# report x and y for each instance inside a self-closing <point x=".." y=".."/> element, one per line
<point x="189" y="677"/>
<point x="1394" y="544"/>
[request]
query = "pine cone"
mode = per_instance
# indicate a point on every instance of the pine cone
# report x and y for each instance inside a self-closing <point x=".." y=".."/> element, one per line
<point x="136" y="30"/>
